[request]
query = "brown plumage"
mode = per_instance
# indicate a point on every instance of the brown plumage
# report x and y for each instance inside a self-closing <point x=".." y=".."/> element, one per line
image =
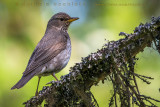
<point x="53" y="51"/>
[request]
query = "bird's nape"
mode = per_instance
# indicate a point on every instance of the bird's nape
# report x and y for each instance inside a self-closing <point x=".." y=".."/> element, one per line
<point x="52" y="53"/>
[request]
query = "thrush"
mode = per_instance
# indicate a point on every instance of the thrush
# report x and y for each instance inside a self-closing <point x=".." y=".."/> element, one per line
<point x="52" y="53"/>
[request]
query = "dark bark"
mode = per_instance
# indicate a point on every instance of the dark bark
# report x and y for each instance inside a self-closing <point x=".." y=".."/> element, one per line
<point x="116" y="61"/>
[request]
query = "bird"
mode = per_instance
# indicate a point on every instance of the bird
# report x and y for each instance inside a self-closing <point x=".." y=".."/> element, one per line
<point x="52" y="53"/>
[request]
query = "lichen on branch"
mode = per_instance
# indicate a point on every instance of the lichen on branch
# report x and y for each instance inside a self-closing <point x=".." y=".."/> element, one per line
<point x="115" y="60"/>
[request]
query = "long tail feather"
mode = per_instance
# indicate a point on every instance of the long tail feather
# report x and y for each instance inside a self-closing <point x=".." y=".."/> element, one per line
<point x="23" y="81"/>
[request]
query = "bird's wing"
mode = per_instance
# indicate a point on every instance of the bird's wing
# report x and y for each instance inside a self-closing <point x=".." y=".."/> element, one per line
<point x="41" y="56"/>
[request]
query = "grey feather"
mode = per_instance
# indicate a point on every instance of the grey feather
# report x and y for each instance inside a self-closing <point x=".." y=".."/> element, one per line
<point x="53" y="50"/>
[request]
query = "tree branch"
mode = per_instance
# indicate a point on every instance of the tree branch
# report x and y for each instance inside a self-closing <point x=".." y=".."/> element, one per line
<point x="74" y="88"/>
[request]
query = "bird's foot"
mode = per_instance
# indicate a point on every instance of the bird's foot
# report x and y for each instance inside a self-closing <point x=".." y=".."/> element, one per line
<point x="52" y="82"/>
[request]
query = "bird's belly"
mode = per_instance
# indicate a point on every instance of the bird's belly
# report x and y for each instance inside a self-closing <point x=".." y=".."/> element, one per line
<point x="57" y="63"/>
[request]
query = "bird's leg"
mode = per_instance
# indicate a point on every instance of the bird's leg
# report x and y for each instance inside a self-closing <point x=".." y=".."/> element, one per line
<point x="52" y="82"/>
<point x="54" y="76"/>
<point x="37" y="86"/>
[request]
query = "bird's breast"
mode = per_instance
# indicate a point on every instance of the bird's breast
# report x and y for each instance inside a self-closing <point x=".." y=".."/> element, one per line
<point x="58" y="62"/>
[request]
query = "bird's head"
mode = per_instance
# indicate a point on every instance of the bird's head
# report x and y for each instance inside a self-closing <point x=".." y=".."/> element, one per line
<point x="61" y="20"/>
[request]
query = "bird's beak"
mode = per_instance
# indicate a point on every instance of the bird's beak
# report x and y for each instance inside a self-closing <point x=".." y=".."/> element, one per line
<point x="72" y="19"/>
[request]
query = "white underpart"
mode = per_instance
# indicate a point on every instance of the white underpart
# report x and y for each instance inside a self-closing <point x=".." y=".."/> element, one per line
<point x="64" y="57"/>
<point x="43" y="69"/>
<point x="51" y="67"/>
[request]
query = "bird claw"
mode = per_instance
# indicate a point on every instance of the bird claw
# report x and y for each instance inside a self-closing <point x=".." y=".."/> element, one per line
<point x="52" y="82"/>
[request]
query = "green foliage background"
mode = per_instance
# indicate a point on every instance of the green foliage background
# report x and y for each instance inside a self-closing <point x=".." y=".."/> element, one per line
<point x="23" y="24"/>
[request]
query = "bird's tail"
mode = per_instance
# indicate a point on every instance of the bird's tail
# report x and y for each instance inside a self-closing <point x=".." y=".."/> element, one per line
<point x="23" y="81"/>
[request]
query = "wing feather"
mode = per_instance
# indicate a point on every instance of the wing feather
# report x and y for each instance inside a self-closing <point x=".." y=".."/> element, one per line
<point x="41" y="56"/>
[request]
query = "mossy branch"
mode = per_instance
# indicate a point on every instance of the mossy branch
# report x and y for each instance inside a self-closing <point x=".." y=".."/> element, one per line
<point x="116" y="61"/>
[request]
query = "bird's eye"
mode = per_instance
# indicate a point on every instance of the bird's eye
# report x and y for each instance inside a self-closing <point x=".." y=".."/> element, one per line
<point x="61" y="19"/>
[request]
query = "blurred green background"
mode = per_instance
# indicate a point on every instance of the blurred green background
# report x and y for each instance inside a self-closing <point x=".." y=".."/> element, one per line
<point x="23" y="23"/>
